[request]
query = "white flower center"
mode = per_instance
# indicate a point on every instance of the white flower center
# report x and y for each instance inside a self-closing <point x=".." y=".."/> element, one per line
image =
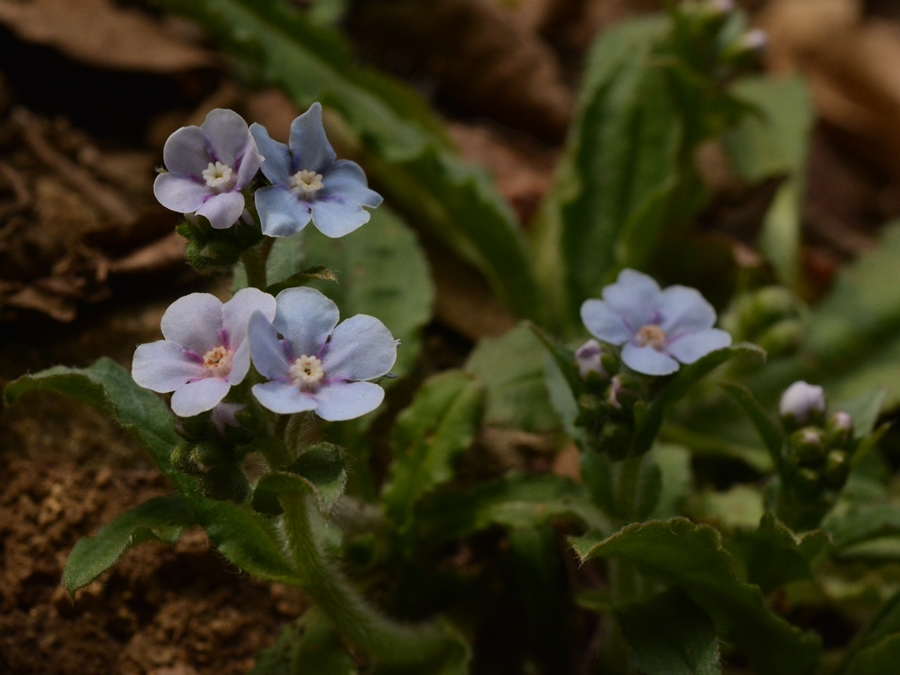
<point x="218" y="176"/>
<point x="651" y="335"/>
<point x="306" y="372"/>
<point x="305" y="183"/>
<point x="218" y="361"/>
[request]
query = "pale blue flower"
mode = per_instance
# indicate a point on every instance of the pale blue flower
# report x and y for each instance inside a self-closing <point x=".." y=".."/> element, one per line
<point x="319" y="365"/>
<point x="207" y="167"/>
<point x="205" y="351"/>
<point x="588" y="358"/>
<point x="308" y="184"/>
<point x="656" y="328"/>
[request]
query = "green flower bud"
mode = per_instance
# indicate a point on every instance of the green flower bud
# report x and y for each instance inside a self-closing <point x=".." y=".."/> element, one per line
<point x="837" y="466"/>
<point x="806" y="482"/>
<point x="839" y="429"/>
<point x="615" y="440"/>
<point x="808" y="445"/>
<point x="783" y="338"/>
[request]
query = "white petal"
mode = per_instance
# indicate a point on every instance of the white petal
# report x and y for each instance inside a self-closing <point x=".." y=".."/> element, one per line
<point x="683" y="310"/>
<point x="237" y="311"/>
<point x="266" y="349"/>
<point x="635" y="298"/>
<point x="603" y="323"/>
<point x="164" y="366"/>
<point x="283" y="398"/>
<point x="194" y="322"/>
<point x="648" y="361"/>
<point x="199" y="396"/>
<point x="361" y="348"/>
<point x="347" y="400"/>
<point x="693" y="346"/>
<point x="226" y="134"/>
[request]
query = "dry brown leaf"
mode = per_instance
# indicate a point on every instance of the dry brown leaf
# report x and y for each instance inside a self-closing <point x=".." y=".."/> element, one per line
<point x="478" y="56"/>
<point x="99" y="33"/>
<point x="852" y="66"/>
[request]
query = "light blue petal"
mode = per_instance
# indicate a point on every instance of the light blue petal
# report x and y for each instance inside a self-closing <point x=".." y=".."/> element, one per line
<point x="346" y="179"/>
<point x="305" y="317"/>
<point x="603" y="324"/>
<point x="185" y="152"/>
<point x="281" y="212"/>
<point x="222" y="210"/>
<point x="195" y="322"/>
<point x="236" y="313"/>
<point x="164" y="366"/>
<point x="249" y="162"/>
<point x="361" y="348"/>
<point x="348" y="400"/>
<point x="283" y="398"/>
<point x="277" y="167"/>
<point x="635" y="298"/>
<point x="200" y="396"/>
<point x="226" y="135"/>
<point x="684" y="310"/>
<point x="224" y="415"/>
<point x="334" y="217"/>
<point x="178" y="192"/>
<point x="309" y="145"/>
<point x="266" y="349"/>
<point x="647" y="360"/>
<point x="692" y="346"/>
<point x="240" y="364"/>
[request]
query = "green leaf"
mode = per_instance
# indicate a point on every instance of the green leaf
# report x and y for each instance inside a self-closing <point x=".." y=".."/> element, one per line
<point x="691" y="557"/>
<point x="319" y="471"/>
<point x="738" y="506"/>
<point x="516" y="501"/>
<point x="429" y="437"/>
<point x="512" y="370"/>
<point x="774" y="556"/>
<point x="878" y="659"/>
<point x="610" y="197"/>
<point x="160" y="518"/>
<point x="308" y="645"/>
<point x="674" y="464"/>
<point x="649" y="424"/>
<point x="670" y="635"/>
<point x="769" y="430"/>
<point x="108" y="387"/>
<point x="401" y="143"/>
<point x="864" y="522"/>
<point x="775" y="142"/>
<point x="303" y="278"/>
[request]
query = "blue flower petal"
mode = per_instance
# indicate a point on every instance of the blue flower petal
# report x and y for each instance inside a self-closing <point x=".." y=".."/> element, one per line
<point x="249" y="163"/>
<point x="185" y="152"/>
<point x="347" y="180"/>
<point x="361" y="348"/>
<point x="647" y="360"/>
<point x="277" y="167"/>
<point x="164" y="366"/>
<point x="635" y="298"/>
<point x="178" y="192"/>
<point x="281" y="212"/>
<point x="222" y="210"/>
<point x="283" y="398"/>
<point x="309" y="145"/>
<point x="603" y="323"/>
<point x="348" y="400"/>
<point x="226" y="134"/>
<point x="200" y="396"/>
<point x="683" y="310"/>
<point x="335" y="217"/>
<point x="236" y="313"/>
<point x="305" y="317"/>
<point x="194" y="322"/>
<point x="266" y="349"/>
<point x="693" y="346"/>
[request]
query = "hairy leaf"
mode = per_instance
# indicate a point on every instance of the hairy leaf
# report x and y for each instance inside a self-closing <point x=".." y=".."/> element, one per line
<point x="320" y="471"/>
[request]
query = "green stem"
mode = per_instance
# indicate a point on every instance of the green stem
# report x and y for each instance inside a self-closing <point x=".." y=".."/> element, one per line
<point x="386" y="640"/>
<point x="623" y="578"/>
<point x="254" y="260"/>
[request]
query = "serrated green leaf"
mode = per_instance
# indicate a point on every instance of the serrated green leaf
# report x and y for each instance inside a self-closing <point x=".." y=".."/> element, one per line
<point x="674" y="463"/>
<point x="159" y="518"/>
<point x="648" y="426"/>
<point x="769" y="430"/>
<point x="738" y="506"/>
<point x="109" y="388"/>
<point x="516" y="501"/>
<point x="774" y="556"/>
<point x="320" y="472"/>
<point x="401" y="143"/>
<point x="670" y="635"/>
<point x="430" y="435"/>
<point x="512" y="370"/>
<point x="691" y="557"/>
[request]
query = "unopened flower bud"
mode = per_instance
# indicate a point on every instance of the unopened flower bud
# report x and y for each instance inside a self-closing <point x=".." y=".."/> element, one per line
<point x="802" y="403"/>
<point x="839" y="428"/>
<point x="807" y="482"/>
<point x="808" y="444"/>
<point x="589" y="358"/>
<point x="783" y="338"/>
<point x="836" y="468"/>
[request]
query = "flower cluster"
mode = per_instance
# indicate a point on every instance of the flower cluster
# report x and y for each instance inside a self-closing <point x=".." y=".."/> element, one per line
<point x="209" y="167"/>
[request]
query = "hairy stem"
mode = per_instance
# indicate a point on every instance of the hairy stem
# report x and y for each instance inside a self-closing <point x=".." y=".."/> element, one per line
<point x="386" y="640"/>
